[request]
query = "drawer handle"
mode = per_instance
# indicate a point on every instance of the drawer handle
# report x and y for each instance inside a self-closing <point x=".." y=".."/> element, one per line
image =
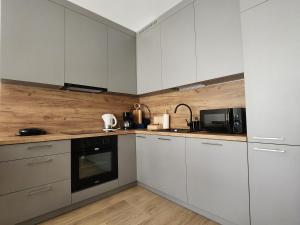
<point x="39" y="147"/>
<point x="141" y="137"/>
<point x="41" y="190"/>
<point x="213" y="144"/>
<point x="270" y="150"/>
<point x="39" y="162"/>
<point x="270" y="138"/>
<point x="164" y="139"/>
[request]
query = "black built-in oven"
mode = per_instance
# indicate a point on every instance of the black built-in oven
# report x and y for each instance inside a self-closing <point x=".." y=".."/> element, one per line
<point x="94" y="161"/>
<point x="229" y="120"/>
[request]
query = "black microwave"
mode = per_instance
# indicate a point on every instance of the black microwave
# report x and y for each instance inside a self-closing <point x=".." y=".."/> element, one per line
<point x="229" y="120"/>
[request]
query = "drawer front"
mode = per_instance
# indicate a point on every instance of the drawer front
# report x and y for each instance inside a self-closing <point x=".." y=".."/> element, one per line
<point x="22" y="151"/>
<point x="26" y="173"/>
<point x="24" y="205"/>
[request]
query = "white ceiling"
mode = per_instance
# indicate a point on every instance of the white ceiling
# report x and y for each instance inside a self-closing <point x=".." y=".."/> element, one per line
<point x="132" y="14"/>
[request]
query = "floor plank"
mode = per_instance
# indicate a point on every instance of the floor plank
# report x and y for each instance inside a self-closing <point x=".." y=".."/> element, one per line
<point x="135" y="206"/>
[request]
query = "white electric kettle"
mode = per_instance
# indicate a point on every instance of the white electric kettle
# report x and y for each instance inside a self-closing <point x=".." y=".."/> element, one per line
<point x="110" y="121"/>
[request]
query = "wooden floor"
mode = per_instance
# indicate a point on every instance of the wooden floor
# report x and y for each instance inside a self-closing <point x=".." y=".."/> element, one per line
<point x="135" y="206"/>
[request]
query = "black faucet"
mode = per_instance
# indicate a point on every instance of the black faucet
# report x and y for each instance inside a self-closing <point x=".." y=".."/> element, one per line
<point x="191" y="114"/>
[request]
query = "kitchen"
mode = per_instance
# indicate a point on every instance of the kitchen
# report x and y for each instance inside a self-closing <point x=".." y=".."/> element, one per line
<point x="190" y="118"/>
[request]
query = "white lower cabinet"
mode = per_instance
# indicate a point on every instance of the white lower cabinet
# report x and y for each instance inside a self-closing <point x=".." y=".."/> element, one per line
<point x="126" y="159"/>
<point x="274" y="172"/>
<point x="217" y="179"/>
<point x="35" y="179"/>
<point x="161" y="164"/>
<point x="18" y="175"/>
<point x="24" y="205"/>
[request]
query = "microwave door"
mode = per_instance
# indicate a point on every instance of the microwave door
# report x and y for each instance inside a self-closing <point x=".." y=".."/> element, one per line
<point x="216" y="120"/>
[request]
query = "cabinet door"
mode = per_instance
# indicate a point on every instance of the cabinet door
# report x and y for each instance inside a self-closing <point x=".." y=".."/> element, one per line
<point x="19" y="175"/>
<point x="33" y="41"/>
<point x="141" y="146"/>
<point x="274" y="184"/>
<point x="248" y="4"/>
<point x="271" y="48"/>
<point x="164" y="166"/>
<point x="217" y="178"/>
<point x="122" y="62"/>
<point x="179" y="49"/>
<point x="218" y="38"/>
<point x="86" y="51"/>
<point x="27" y="204"/>
<point x="126" y="159"/>
<point x="149" y="60"/>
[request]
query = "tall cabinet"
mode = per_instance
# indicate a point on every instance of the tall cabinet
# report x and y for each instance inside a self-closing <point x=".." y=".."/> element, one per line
<point x="32" y="41"/>
<point x="274" y="172"/>
<point x="271" y="39"/>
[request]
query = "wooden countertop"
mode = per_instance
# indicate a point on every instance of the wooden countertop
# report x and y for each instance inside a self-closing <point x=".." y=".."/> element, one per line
<point x="67" y="135"/>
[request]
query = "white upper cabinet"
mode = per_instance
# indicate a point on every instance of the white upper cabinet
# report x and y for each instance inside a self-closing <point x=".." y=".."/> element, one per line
<point x="149" y="60"/>
<point x="33" y="41"/>
<point x="122" y="62"/>
<point x="248" y="4"/>
<point x="179" y="48"/>
<point x="271" y="38"/>
<point x="218" y="38"/>
<point x="86" y="51"/>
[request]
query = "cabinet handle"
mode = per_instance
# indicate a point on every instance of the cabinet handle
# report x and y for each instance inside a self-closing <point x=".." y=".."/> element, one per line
<point x="41" y="190"/>
<point x="214" y="144"/>
<point x="269" y="150"/>
<point x="39" y="147"/>
<point x="141" y="137"/>
<point x="270" y="138"/>
<point x="39" y="162"/>
<point x="164" y="139"/>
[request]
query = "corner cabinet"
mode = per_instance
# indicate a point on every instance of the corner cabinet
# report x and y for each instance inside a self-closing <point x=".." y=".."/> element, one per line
<point x="121" y="62"/>
<point x="274" y="172"/>
<point x="218" y="38"/>
<point x="126" y="159"/>
<point x="271" y="38"/>
<point x="86" y="58"/>
<point x="161" y="164"/>
<point x="179" y="48"/>
<point x="149" y="60"/>
<point x="32" y="41"/>
<point x="217" y="179"/>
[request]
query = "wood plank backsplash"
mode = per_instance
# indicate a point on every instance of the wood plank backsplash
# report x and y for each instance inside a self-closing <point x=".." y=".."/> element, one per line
<point x="224" y="95"/>
<point x="56" y="110"/>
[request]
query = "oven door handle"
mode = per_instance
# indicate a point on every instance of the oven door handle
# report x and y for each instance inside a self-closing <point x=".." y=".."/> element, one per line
<point x="227" y="118"/>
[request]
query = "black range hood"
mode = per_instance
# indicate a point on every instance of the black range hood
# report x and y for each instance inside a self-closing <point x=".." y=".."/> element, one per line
<point x="83" y="88"/>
